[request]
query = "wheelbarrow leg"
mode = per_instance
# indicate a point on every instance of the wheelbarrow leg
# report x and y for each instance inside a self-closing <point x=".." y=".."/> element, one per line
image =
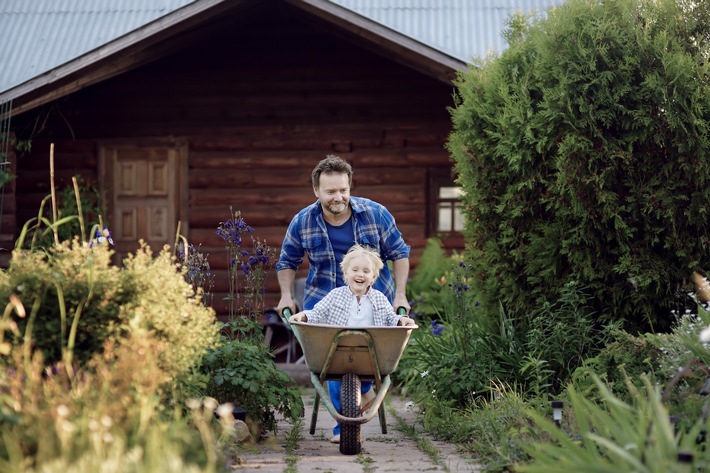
<point x="383" y="421"/>
<point x="381" y="410"/>
<point x="314" y="416"/>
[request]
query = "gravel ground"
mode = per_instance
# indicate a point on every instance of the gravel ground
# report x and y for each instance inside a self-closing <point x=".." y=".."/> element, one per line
<point x="402" y="449"/>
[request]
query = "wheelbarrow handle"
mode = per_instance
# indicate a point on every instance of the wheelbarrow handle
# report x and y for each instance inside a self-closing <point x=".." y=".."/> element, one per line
<point x="286" y="312"/>
<point x="401" y="310"/>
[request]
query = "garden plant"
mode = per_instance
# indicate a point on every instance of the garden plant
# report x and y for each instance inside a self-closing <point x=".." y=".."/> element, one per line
<point x="76" y="327"/>
<point x="582" y="151"/>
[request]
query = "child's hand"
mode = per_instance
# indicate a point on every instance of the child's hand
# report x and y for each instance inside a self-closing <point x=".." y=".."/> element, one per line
<point x="300" y="317"/>
<point x="406" y="321"/>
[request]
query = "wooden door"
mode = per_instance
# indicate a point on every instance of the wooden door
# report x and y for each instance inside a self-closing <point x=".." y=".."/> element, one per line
<point x="143" y="194"/>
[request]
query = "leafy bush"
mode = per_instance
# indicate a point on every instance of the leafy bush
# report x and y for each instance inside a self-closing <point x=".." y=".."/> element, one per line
<point x="241" y="369"/>
<point x="74" y="298"/>
<point x="166" y="306"/>
<point x="625" y="357"/>
<point x="459" y="347"/>
<point x="242" y="372"/>
<point x="583" y="153"/>
<point x="469" y="347"/>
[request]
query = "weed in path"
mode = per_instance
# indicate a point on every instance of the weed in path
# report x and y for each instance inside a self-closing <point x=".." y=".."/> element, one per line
<point x="423" y="444"/>
<point x="292" y="439"/>
<point x="366" y="462"/>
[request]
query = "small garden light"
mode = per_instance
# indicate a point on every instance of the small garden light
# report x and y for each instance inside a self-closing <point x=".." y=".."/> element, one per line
<point x="557" y="411"/>
<point x="685" y="459"/>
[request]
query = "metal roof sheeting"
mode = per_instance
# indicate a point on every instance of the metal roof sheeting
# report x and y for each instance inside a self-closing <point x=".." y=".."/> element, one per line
<point x="464" y="29"/>
<point x="39" y="35"/>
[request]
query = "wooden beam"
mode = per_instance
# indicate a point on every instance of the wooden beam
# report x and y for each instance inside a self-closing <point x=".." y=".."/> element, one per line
<point x="407" y="51"/>
<point x="115" y="57"/>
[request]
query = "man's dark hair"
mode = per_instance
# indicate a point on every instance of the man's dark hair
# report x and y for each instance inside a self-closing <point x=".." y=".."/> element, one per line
<point x="331" y="165"/>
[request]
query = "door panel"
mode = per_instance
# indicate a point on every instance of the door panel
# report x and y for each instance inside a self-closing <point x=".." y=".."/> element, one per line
<point x="143" y="193"/>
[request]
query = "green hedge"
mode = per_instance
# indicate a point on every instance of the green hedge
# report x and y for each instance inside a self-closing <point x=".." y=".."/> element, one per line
<point x="583" y="152"/>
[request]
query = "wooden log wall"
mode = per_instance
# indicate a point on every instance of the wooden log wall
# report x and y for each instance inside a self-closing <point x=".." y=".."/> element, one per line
<point x="259" y="103"/>
<point x="8" y="207"/>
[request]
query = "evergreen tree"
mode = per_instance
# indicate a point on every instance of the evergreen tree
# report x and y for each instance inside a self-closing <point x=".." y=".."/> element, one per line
<point x="583" y="150"/>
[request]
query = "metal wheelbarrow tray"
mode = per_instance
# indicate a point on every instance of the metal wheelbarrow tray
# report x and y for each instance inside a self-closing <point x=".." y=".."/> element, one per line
<point x="351" y="354"/>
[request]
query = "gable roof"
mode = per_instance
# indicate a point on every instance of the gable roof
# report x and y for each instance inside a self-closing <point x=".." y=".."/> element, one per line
<point x="50" y="48"/>
<point x="463" y="29"/>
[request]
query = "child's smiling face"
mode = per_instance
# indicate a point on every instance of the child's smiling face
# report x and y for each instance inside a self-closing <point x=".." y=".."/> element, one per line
<point x="359" y="275"/>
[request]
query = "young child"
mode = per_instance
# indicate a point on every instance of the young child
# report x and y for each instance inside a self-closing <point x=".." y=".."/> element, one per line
<point x="357" y="304"/>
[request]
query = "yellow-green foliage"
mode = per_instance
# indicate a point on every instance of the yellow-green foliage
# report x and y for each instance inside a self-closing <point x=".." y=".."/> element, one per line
<point x="167" y="306"/>
<point x="76" y="299"/>
<point x="108" y="418"/>
<point x="92" y="358"/>
<point x="73" y="296"/>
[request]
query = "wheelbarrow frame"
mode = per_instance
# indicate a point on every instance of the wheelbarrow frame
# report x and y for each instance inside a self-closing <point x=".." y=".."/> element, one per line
<point x="352" y="352"/>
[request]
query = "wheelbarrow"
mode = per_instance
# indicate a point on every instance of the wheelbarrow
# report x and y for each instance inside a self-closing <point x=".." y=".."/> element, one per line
<point x="351" y="355"/>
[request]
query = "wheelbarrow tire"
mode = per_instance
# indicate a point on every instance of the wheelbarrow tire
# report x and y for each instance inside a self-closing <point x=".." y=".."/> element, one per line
<point x="350" y="440"/>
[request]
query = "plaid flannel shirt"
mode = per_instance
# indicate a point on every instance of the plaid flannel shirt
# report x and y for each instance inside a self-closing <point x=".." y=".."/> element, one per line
<point x="373" y="225"/>
<point x="334" y="309"/>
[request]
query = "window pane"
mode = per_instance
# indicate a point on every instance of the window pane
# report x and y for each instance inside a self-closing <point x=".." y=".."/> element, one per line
<point x="458" y="219"/>
<point x="444" y="224"/>
<point x="450" y="192"/>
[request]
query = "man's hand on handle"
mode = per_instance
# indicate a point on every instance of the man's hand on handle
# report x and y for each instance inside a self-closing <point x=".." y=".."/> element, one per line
<point x="286" y="302"/>
<point x="401" y="301"/>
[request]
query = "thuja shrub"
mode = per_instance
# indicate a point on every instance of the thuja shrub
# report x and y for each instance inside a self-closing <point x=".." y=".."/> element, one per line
<point x="583" y="153"/>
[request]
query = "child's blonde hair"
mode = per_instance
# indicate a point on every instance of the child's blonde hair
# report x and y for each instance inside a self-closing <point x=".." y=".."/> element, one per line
<point x="367" y="252"/>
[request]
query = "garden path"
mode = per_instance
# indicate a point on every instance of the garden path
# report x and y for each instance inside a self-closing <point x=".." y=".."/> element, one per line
<point x="402" y="449"/>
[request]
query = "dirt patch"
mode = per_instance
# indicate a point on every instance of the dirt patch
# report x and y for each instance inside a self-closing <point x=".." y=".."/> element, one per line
<point x="391" y="452"/>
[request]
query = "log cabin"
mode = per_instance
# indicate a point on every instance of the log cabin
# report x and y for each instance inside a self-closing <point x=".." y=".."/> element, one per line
<point x="184" y="110"/>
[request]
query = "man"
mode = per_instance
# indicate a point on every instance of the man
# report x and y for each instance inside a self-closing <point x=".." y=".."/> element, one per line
<point x="326" y="229"/>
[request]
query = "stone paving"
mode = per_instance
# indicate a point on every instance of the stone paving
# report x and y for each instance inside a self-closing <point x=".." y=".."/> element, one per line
<point x="391" y="452"/>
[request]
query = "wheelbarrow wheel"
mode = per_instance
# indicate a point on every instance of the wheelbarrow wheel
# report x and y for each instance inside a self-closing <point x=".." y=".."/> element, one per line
<point x="350" y="441"/>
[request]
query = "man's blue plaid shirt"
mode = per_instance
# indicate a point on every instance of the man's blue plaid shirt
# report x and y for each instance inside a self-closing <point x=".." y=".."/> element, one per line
<point x="373" y="226"/>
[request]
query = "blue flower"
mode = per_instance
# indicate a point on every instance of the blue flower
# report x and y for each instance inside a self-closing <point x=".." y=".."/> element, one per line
<point x="231" y="230"/>
<point x="436" y="328"/>
<point x="101" y="236"/>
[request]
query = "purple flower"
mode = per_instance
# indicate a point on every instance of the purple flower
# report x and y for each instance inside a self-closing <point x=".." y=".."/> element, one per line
<point x="436" y="328"/>
<point x="231" y="230"/>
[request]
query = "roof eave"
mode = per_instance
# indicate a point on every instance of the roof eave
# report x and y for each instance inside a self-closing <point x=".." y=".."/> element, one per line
<point x="111" y="59"/>
<point x="405" y="49"/>
<point x="130" y="51"/>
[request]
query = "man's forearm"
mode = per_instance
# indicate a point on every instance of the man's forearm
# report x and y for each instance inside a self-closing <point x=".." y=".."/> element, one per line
<point x="400" y="268"/>
<point x="286" y="277"/>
